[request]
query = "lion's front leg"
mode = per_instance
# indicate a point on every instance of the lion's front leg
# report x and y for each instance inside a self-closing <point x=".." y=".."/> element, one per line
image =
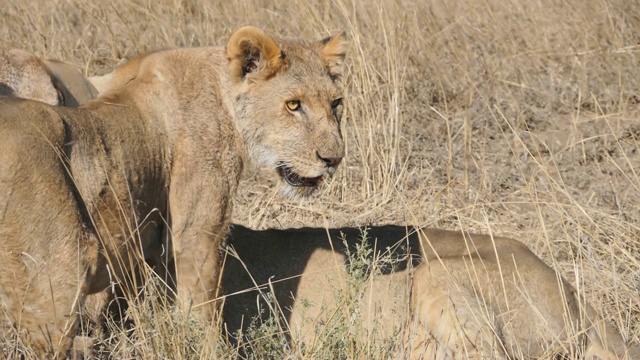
<point x="199" y="220"/>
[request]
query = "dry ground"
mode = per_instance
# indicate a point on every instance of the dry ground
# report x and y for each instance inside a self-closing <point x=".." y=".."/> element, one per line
<point x="514" y="117"/>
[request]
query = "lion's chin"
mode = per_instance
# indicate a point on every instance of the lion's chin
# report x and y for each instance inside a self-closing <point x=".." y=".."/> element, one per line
<point x="296" y="192"/>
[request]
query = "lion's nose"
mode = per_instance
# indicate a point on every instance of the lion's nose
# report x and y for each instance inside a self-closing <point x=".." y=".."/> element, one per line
<point x="330" y="161"/>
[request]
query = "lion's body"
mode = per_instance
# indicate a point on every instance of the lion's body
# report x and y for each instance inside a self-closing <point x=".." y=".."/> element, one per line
<point x="24" y="75"/>
<point x="461" y="303"/>
<point x="147" y="172"/>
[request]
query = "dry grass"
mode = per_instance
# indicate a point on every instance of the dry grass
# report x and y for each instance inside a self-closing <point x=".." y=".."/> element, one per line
<point x="513" y="117"/>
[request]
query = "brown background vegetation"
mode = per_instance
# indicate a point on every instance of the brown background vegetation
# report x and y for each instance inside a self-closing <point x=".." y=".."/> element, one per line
<point x="512" y="117"/>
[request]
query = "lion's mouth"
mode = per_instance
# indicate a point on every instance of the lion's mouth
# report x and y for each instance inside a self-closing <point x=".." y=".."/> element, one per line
<point x="294" y="179"/>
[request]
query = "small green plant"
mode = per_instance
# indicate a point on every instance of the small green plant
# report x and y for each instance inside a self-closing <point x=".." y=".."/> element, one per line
<point x="264" y="338"/>
<point x="342" y="334"/>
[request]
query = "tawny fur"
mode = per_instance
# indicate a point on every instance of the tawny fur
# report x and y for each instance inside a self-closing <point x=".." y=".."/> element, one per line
<point x="85" y="193"/>
<point x="469" y="296"/>
<point x="459" y="303"/>
<point x="24" y="75"/>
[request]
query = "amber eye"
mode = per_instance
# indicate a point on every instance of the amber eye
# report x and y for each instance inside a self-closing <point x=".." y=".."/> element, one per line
<point x="293" y="105"/>
<point x="335" y="103"/>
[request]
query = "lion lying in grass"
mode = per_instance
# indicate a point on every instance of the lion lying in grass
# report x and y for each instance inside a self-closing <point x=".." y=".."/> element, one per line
<point x="24" y="75"/>
<point x="88" y="194"/>
<point x="470" y="296"/>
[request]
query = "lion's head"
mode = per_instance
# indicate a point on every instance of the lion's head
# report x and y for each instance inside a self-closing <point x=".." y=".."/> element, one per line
<point x="289" y="105"/>
<point x="23" y="74"/>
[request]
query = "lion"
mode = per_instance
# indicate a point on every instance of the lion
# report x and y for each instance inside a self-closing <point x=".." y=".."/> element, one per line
<point x="449" y="294"/>
<point x="24" y="75"/>
<point x="88" y="194"/>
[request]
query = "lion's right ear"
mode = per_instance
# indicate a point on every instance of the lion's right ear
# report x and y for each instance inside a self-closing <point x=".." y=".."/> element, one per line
<point x="253" y="54"/>
<point x="333" y="50"/>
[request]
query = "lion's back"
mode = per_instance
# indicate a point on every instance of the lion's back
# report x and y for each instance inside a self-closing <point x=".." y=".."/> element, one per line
<point x="26" y="123"/>
<point x="33" y="181"/>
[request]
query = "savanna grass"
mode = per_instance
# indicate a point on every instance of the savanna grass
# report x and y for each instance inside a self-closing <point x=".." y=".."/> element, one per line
<point x="513" y="117"/>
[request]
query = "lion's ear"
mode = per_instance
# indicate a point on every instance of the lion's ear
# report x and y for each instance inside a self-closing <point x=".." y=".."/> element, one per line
<point x="334" y="49"/>
<point x="253" y="54"/>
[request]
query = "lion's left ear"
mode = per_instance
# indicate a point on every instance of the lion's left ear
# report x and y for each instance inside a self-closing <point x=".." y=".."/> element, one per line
<point x="253" y="54"/>
<point x="333" y="50"/>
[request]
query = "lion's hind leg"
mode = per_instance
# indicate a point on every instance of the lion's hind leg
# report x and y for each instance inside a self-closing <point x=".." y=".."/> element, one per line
<point x="45" y="249"/>
<point x="448" y="321"/>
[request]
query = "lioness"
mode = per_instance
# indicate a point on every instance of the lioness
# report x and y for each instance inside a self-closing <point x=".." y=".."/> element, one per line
<point x="24" y="75"/>
<point x="87" y="194"/>
<point x="470" y="296"/>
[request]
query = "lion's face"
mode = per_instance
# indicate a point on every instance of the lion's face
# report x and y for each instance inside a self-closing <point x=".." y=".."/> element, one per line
<point x="289" y="108"/>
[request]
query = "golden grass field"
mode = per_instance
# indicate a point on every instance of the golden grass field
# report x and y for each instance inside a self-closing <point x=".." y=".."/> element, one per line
<point x="511" y="117"/>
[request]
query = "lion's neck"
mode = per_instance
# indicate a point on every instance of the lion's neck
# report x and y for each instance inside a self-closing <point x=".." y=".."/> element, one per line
<point x="185" y="95"/>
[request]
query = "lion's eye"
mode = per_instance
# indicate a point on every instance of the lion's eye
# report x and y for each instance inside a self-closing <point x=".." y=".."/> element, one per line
<point x="335" y="103"/>
<point x="293" y="105"/>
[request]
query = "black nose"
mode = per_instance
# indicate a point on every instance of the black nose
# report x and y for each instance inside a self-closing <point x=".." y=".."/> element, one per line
<point x="330" y="161"/>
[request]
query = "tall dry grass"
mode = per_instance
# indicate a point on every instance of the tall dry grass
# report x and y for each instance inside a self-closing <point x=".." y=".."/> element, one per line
<point x="513" y="117"/>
